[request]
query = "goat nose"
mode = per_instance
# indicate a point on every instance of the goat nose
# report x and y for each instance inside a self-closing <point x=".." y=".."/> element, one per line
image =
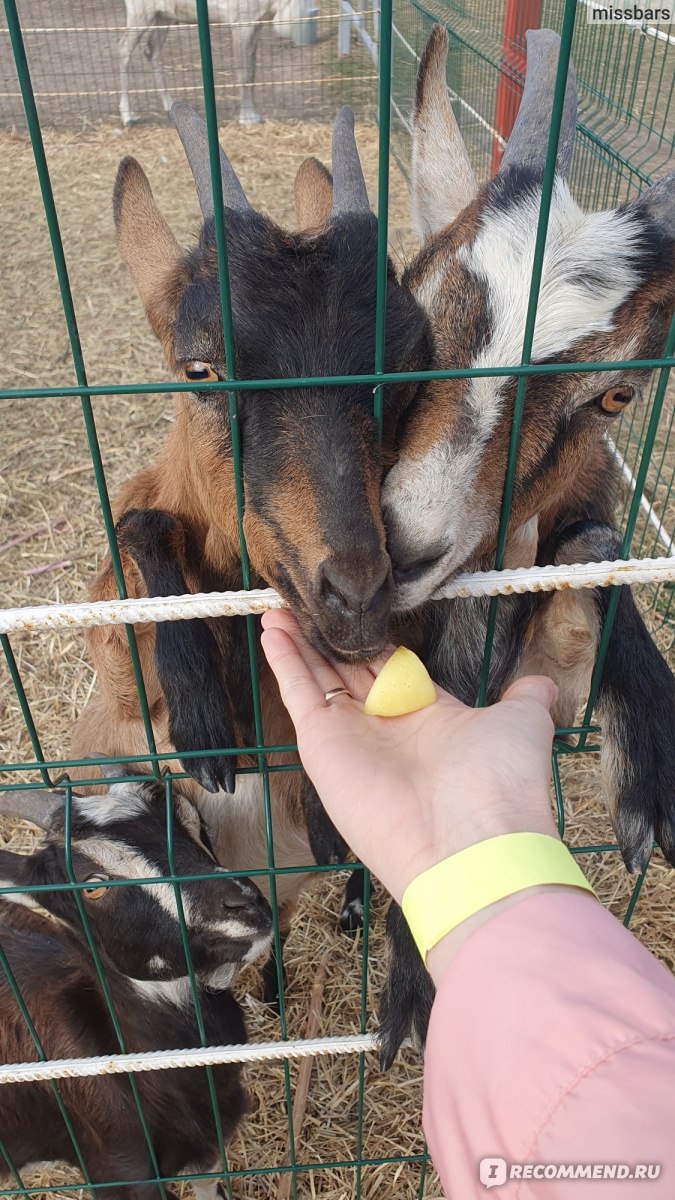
<point x="353" y="588"/>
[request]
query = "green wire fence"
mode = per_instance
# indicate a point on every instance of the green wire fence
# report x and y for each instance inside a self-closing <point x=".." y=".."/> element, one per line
<point x="626" y="136"/>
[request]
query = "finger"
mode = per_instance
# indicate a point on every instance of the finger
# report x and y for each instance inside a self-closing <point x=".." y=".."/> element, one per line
<point x="359" y="677"/>
<point x="356" y="677"/>
<point x="281" y="618"/>
<point x="300" y="691"/>
<point x="538" y="688"/>
<point x="376" y="664"/>
<point x="325" y="673"/>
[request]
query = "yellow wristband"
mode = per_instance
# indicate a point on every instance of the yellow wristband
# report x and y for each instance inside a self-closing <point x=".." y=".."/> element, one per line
<point x="452" y="890"/>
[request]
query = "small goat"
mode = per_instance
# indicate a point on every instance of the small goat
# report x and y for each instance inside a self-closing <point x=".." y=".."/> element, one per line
<point x="303" y="305"/>
<point x="245" y="17"/>
<point x="607" y="294"/>
<point x="122" y="834"/>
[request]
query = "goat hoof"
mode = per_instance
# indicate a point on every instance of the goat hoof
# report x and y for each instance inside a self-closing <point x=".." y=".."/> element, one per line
<point x="251" y="119"/>
<point x="351" y="917"/>
<point x="212" y="775"/>
<point x="131" y="119"/>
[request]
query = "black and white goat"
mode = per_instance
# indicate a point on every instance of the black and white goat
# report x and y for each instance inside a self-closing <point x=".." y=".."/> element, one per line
<point x="122" y="834"/>
<point x="607" y="295"/>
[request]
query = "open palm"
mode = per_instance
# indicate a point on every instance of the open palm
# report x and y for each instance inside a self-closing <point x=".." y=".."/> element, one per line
<point x="407" y="792"/>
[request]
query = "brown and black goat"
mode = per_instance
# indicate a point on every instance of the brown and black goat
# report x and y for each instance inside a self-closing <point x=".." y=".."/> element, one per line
<point x="607" y="294"/>
<point x="303" y="305"/>
<point x="122" y="834"/>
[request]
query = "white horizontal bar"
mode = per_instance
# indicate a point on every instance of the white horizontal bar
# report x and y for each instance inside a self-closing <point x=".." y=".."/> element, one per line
<point x="553" y="579"/>
<point x="164" y="1060"/>
<point x="236" y="604"/>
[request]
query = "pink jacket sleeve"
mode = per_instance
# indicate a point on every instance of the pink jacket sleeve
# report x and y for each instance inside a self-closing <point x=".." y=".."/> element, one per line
<point x="552" y="1041"/>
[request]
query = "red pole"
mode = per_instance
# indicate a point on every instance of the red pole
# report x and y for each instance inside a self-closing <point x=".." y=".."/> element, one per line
<point x="519" y="15"/>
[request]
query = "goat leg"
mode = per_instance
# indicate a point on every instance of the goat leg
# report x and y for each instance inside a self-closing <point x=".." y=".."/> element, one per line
<point x="635" y="706"/>
<point x="270" y="973"/>
<point x="245" y="40"/>
<point x="405" y="1003"/>
<point x="128" y="43"/>
<point x="328" y="846"/>
<point x="153" y="51"/>
<point x="186" y="654"/>
<point x="351" y="913"/>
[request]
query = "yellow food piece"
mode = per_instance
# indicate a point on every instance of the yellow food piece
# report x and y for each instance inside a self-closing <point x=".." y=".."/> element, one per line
<point x="402" y="686"/>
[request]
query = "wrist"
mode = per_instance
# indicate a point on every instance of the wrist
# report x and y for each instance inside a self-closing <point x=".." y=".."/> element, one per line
<point x="454" y="897"/>
<point x="491" y="817"/>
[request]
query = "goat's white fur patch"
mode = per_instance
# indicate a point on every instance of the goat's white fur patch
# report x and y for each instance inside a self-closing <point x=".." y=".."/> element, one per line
<point x="171" y="991"/>
<point x="122" y="800"/>
<point x="239" y="821"/>
<point x="121" y="862"/>
<point x="591" y="266"/>
<point x="205" y="1189"/>
<point x="261" y="946"/>
<point x="24" y="898"/>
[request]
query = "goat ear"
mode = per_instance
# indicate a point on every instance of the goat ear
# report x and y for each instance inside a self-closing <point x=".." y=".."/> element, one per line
<point x="313" y="195"/>
<point x="148" y="248"/>
<point x="443" y="182"/>
<point x="34" y="804"/>
<point x="13" y="868"/>
<point x="657" y="203"/>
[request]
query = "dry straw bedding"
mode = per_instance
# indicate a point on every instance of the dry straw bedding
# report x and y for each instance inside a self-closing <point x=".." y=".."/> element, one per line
<point x="46" y="478"/>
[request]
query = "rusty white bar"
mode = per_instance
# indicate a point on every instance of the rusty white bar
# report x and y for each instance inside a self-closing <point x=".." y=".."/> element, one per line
<point x="237" y="604"/>
<point x="553" y="579"/>
<point x="165" y="1060"/>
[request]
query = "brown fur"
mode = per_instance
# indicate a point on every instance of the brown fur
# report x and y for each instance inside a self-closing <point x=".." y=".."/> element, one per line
<point x="313" y="195"/>
<point x="148" y="248"/>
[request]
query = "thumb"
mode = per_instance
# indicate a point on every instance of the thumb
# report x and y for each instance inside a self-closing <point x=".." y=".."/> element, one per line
<point x="537" y="688"/>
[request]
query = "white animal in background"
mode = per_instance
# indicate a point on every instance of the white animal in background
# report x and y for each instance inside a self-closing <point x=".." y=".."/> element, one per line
<point x="245" y="18"/>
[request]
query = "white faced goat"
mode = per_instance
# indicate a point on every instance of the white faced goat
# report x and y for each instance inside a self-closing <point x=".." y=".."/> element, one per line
<point x="607" y="295"/>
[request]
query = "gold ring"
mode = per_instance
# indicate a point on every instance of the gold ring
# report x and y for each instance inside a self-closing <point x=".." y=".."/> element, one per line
<point x="328" y="696"/>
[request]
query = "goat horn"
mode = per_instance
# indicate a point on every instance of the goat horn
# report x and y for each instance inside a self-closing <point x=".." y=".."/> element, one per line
<point x="37" y="806"/>
<point x="658" y="203"/>
<point x="194" y="136"/>
<point x="349" y="186"/>
<point x="529" y="138"/>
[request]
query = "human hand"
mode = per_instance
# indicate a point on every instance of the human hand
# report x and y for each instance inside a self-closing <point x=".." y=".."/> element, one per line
<point x="407" y="792"/>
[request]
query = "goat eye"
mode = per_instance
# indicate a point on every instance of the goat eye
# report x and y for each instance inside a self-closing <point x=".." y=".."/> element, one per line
<point x="200" y="372"/>
<point x="95" y="893"/>
<point x="615" y="399"/>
